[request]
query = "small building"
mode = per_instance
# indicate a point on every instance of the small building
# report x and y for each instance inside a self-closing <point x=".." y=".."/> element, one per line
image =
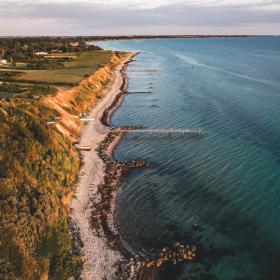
<point x="3" y="61"/>
<point x="74" y="44"/>
<point x="40" y="53"/>
<point x="56" y="51"/>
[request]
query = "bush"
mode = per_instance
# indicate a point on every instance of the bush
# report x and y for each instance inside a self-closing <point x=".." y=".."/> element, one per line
<point x="34" y="236"/>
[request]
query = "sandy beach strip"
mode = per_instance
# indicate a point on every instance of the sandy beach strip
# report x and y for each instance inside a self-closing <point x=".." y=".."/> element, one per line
<point x="100" y="259"/>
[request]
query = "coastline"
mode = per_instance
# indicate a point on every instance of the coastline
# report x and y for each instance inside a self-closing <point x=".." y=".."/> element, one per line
<point x="106" y="255"/>
<point x="100" y="258"/>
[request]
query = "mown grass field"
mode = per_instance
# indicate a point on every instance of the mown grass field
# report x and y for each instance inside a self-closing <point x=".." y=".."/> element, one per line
<point x="4" y="94"/>
<point x="74" y="72"/>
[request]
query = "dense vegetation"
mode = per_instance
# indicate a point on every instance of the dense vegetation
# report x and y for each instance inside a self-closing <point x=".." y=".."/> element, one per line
<point x="38" y="168"/>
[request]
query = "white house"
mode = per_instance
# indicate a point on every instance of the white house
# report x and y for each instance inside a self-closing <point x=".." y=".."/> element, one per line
<point x="74" y="44"/>
<point x="3" y="61"/>
<point x="41" y="53"/>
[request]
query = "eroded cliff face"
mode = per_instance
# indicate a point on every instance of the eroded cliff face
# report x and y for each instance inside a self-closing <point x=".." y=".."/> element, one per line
<point x="71" y="103"/>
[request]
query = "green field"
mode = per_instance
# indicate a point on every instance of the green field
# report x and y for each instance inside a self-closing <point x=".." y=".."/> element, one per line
<point x="4" y="94"/>
<point x="74" y="72"/>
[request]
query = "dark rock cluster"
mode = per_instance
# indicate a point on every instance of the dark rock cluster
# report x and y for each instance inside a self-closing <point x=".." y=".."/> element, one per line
<point x="174" y="255"/>
<point x="149" y="268"/>
<point x="114" y="174"/>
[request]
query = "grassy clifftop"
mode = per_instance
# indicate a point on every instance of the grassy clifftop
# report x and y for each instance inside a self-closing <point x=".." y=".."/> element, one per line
<point x="73" y="72"/>
<point x="38" y="172"/>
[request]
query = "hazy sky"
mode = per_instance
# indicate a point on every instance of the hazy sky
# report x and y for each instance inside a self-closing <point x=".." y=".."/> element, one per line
<point x="120" y="17"/>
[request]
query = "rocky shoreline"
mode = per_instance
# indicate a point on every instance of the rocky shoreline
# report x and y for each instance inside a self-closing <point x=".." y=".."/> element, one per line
<point x="99" y="257"/>
<point x="103" y="210"/>
<point x="132" y="266"/>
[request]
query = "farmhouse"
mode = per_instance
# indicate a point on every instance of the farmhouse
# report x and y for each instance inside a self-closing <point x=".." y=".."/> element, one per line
<point x="3" y="61"/>
<point x="74" y="44"/>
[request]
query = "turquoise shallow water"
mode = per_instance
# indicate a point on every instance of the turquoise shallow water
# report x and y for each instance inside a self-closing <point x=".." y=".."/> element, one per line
<point x="228" y="181"/>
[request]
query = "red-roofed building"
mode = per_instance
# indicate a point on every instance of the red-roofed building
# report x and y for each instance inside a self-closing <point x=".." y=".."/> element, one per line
<point x="56" y="51"/>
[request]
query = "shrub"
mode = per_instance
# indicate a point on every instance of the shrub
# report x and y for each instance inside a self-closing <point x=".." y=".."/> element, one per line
<point x="34" y="235"/>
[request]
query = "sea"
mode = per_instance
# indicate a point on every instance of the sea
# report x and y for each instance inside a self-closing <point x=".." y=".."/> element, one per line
<point x="219" y="191"/>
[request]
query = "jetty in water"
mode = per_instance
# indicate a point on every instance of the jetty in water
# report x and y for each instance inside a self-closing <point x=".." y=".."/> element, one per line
<point x="167" y="132"/>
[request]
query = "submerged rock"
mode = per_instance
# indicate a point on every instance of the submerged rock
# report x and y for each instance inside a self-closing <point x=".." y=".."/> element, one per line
<point x="175" y="255"/>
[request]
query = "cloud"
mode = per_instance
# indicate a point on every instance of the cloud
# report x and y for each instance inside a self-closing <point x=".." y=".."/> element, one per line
<point x="121" y="17"/>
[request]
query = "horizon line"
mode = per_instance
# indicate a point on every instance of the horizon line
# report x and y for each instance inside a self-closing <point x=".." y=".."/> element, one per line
<point x="148" y="35"/>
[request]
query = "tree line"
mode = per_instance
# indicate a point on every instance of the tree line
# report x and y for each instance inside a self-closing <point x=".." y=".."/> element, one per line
<point x="22" y="49"/>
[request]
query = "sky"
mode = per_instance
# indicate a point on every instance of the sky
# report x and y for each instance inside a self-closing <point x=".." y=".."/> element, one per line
<point x="139" y="17"/>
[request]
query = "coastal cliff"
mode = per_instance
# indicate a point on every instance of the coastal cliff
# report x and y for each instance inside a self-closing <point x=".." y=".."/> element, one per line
<point x="38" y="171"/>
<point x="71" y="103"/>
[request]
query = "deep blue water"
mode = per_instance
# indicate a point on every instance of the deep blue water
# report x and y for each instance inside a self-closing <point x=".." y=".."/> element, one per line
<point x="228" y="181"/>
